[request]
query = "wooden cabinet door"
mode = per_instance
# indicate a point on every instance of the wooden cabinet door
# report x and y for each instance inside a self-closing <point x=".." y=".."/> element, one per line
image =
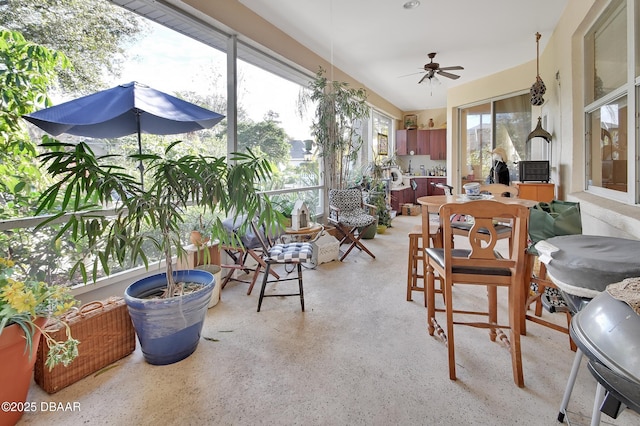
<point x="397" y="199"/>
<point x="423" y="188"/>
<point x="401" y="142"/>
<point x="423" y="142"/>
<point x="436" y="191"/>
<point x="406" y="141"/>
<point x="536" y="191"/>
<point x="438" y="144"/>
<point x="412" y="141"/>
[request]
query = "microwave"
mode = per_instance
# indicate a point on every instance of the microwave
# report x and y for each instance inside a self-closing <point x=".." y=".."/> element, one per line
<point x="533" y="171"/>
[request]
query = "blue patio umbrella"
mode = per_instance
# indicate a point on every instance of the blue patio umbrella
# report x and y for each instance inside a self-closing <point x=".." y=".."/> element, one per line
<point x="124" y="110"/>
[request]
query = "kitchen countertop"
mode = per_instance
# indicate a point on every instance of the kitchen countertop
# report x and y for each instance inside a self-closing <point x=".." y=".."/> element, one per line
<point x="407" y="178"/>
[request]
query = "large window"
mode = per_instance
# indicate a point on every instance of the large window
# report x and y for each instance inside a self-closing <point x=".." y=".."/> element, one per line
<point x="270" y="122"/>
<point x="608" y="141"/>
<point x="607" y="109"/>
<point x="503" y="123"/>
<point x="606" y="53"/>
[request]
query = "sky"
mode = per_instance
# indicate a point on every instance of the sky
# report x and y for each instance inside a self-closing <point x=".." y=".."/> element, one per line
<point x="171" y="62"/>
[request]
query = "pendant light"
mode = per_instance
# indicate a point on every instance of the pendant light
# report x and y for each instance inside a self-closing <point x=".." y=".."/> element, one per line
<point x="538" y="88"/>
<point x="539" y="132"/>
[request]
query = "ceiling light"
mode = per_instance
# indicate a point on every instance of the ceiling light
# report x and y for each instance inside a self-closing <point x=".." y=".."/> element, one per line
<point x="411" y="4"/>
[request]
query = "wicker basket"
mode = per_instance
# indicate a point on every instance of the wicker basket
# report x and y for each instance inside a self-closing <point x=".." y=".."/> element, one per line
<point x="106" y="335"/>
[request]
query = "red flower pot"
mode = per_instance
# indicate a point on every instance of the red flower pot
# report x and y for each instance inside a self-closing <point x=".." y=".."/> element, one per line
<point x="16" y="370"/>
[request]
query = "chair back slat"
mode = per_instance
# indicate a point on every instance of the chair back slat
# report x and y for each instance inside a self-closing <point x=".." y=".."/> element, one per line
<point x="499" y="189"/>
<point x="485" y="213"/>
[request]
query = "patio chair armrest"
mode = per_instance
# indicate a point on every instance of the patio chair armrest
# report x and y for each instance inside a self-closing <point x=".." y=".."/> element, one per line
<point x="373" y="210"/>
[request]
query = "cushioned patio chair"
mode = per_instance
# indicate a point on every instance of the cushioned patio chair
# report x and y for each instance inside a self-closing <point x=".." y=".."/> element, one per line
<point x="352" y="217"/>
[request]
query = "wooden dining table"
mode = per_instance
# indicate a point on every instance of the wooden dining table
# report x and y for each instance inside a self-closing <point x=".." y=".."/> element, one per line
<point x="432" y="203"/>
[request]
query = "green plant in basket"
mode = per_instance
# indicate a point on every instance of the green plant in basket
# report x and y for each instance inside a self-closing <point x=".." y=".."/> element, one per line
<point x="23" y="302"/>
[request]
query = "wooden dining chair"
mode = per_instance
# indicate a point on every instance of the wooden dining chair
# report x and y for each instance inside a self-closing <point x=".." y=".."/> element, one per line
<point x="480" y="264"/>
<point x="502" y="227"/>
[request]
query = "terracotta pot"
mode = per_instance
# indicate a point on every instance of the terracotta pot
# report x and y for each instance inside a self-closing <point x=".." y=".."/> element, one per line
<point x="197" y="239"/>
<point x="16" y="370"/>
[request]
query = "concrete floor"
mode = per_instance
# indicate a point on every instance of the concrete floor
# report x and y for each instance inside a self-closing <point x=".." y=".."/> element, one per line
<point x="359" y="355"/>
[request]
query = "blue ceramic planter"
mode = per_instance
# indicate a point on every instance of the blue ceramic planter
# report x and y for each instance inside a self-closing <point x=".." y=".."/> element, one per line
<point x="169" y="329"/>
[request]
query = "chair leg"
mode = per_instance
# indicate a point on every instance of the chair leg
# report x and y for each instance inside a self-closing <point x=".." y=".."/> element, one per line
<point x="415" y="258"/>
<point x="410" y="262"/>
<point x="300" y="285"/>
<point x="492" y="297"/>
<point x="430" y="297"/>
<point x="265" y="278"/>
<point x="255" y="277"/>
<point x="355" y="241"/>
<point x="448" y="296"/>
<point x="516" y="310"/>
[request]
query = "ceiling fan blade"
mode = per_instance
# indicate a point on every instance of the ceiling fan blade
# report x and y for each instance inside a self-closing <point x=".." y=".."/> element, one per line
<point x="448" y="74"/>
<point x="457" y="67"/>
<point x="413" y="73"/>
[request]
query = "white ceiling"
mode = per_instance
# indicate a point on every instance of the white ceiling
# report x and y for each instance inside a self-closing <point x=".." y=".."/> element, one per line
<point x="378" y="42"/>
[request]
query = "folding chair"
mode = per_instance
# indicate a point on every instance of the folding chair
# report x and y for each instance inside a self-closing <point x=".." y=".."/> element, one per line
<point x="348" y="214"/>
<point x="245" y="255"/>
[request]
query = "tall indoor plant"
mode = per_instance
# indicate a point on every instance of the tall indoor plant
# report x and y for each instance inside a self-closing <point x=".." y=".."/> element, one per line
<point x="85" y="182"/>
<point x="339" y="108"/>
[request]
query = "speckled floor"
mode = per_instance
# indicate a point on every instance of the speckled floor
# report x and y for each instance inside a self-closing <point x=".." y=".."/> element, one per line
<point x="359" y="355"/>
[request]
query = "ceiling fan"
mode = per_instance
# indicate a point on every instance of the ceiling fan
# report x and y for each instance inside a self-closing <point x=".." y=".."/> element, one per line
<point x="433" y="68"/>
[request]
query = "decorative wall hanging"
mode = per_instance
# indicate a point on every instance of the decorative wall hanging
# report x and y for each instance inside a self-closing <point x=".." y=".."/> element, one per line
<point x="410" y="121"/>
<point x="538" y="88"/>
<point x="383" y="144"/>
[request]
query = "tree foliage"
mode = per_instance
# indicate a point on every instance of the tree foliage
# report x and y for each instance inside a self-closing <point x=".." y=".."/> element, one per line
<point x="27" y="70"/>
<point x="339" y="110"/>
<point x="93" y="34"/>
<point x="268" y="136"/>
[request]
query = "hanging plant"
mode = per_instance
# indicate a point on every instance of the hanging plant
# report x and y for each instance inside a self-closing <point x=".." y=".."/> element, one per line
<point x="538" y="89"/>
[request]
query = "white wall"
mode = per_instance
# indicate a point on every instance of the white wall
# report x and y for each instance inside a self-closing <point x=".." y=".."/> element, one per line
<point x="561" y="68"/>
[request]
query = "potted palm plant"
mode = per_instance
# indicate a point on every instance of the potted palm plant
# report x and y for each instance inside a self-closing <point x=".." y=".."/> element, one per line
<point x="167" y="309"/>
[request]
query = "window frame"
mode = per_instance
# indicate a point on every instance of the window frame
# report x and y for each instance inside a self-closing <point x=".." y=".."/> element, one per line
<point x="630" y="89"/>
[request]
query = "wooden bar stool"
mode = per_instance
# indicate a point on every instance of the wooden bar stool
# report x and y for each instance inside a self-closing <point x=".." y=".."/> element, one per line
<point x="416" y="258"/>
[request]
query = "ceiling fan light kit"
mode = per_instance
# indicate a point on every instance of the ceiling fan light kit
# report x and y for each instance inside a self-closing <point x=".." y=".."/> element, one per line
<point x="538" y="88"/>
<point x="433" y="68"/>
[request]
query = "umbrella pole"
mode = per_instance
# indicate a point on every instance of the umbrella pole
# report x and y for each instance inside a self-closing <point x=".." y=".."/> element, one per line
<point x="140" y="165"/>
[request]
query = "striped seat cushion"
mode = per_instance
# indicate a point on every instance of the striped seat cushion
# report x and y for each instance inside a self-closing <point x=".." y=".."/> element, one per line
<point x="291" y="252"/>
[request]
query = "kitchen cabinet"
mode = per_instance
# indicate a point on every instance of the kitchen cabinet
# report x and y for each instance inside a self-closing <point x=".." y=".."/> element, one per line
<point x="432" y="189"/>
<point x="422" y="147"/>
<point x="400" y="197"/>
<point x="438" y="144"/>
<point x="406" y="141"/>
<point x="536" y="191"/>
<point x="422" y="189"/>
